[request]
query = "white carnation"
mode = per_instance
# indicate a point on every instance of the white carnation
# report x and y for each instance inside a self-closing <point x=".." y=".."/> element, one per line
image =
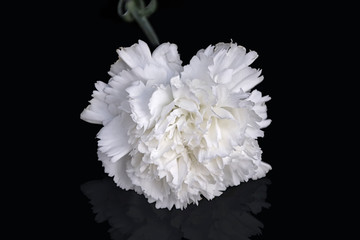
<point x="175" y="133"/>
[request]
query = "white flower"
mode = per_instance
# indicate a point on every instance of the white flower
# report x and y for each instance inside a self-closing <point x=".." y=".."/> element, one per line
<point x="175" y="133"/>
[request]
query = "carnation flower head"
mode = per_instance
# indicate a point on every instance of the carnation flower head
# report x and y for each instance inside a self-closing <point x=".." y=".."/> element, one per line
<point x="177" y="134"/>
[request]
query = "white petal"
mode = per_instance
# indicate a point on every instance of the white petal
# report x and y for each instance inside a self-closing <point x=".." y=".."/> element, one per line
<point x="254" y="132"/>
<point x="264" y="123"/>
<point x="227" y="98"/>
<point x="246" y="81"/>
<point x="225" y="76"/>
<point x="198" y="68"/>
<point x="260" y="108"/>
<point x="238" y="77"/>
<point x="118" y="67"/>
<point x="117" y="97"/>
<point x="222" y="113"/>
<point x="167" y="55"/>
<point x="161" y="98"/>
<point x="140" y="96"/>
<point x="113" y="137"/>
<point x="187" y="104"/>
<point x="97" y="112"/>
<point x="152" y="75"/>
<point x="262" y="170"/>
<point x="138" y="55"/>
<point x="178" y="168"/>
<point x="250" y="57"/>
<point x="117" y="170"/>
<point x="227" y="56"/>
<point x="154" y="188"/>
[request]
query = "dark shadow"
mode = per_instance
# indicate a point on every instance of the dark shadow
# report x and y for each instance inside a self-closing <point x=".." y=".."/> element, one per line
<point x="230" y="216"/>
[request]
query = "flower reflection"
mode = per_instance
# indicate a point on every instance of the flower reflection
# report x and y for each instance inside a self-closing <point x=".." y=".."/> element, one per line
<point x="130" y="216"/>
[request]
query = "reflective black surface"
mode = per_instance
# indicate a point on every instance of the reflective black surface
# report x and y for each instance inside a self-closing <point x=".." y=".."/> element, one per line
<point x="130" y="216"/>
<point x="274" y="31"/>
<point x="62" y="48"/>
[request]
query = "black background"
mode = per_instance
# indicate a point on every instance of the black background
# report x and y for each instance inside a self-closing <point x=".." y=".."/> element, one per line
<point x="194" y="25"/>
<point x="77" y="41"/>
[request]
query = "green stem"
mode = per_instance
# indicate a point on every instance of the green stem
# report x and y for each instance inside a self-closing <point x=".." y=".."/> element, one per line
<point x="136" y="10"/>
<point x="143" y="23"/>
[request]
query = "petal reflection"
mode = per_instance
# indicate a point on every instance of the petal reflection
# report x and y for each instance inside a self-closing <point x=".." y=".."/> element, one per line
<point x="230" y="216"/>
